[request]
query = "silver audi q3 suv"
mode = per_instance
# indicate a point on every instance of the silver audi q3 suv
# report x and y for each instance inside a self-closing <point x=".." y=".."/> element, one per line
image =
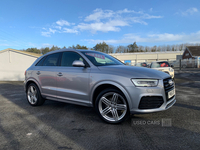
<point x="96" y="79"/>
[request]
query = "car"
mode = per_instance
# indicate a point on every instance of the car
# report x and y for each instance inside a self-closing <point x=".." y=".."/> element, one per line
<point x="98" y="80"/>
<point x="163" y="66"/>
<point x="143" y="64"/>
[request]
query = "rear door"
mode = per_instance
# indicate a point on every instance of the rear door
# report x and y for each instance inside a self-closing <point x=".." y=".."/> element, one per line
<point x="45" y="73"/>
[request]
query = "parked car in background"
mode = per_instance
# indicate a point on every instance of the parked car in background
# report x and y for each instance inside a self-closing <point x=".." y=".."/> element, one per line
<point x="142" y="64"/>
<point x="98" y="80"/>
<point x="163" y="66"/>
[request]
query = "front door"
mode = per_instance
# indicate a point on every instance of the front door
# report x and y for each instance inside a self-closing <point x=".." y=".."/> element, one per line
<point x="72" y="82"/>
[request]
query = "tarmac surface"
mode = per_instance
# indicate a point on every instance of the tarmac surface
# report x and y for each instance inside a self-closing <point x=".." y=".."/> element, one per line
<point x="63" y="126"/>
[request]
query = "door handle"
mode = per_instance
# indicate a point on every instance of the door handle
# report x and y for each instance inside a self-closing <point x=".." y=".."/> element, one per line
<point x="38" y="73"/>
<point x="60" y="74"/>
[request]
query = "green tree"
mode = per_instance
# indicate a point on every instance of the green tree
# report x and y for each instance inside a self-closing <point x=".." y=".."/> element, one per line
<point x="64" y="47"/>
<point x="71" y="46"/>
<point x="33" y="50"/>
<point x="53" y="48"/>
<point x="133" y="47"/>
<point x="45" y="50"/>
<point x="102" y="47"/>
<point x="121" y="49"/>
<point x="78" y="47"/>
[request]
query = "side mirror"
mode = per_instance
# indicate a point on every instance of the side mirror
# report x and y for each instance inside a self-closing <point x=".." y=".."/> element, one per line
<point x="172" y="66"/>
<point x="78" y="63"/>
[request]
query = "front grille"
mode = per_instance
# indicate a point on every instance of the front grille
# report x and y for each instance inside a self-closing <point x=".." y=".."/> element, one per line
<point x="168" y="88"/>
<point x="151" y="102"/>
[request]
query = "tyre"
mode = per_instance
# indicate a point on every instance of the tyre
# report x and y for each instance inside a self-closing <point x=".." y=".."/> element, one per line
<point x="33" y="95"/>
<point x="111" y="106"/>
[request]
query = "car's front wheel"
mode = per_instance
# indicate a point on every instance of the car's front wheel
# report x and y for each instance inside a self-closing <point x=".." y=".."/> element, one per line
<point x="33" y="95"/>
<point x="111" y="105"/>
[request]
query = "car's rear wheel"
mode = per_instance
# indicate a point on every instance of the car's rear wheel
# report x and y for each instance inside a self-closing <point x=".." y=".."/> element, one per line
<point x="33" y="95"/>
<point x="111" y="105"/>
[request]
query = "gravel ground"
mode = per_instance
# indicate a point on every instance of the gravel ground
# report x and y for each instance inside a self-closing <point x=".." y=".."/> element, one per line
<point x="57" y="125"/>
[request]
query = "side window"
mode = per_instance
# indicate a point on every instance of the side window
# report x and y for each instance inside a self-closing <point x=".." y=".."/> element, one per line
<point x="51" y="60"/>
<point x="40" y="63"/>
<point x="69" y="57"/>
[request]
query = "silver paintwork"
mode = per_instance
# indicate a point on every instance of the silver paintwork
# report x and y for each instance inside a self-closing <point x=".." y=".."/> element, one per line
<point x="77" y="84"/>
<point x="78" y="63"/>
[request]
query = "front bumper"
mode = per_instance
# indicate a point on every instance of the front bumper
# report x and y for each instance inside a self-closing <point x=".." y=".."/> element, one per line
<point x="158" y="100"/>
<point x="164" y="106"/>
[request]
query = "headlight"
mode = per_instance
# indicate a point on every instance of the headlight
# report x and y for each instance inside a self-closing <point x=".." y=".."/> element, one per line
<point x="145" y="82"/>
<point x="171" y="70"/>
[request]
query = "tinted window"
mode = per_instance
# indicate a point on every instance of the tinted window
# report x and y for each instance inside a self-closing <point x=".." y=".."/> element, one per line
<point x="40" y="63"/>
<point x="69" y="57"/>
<point x="51" y="60"/>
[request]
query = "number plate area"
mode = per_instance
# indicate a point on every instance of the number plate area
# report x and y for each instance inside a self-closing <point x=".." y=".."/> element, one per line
<point x="171" y="93"/>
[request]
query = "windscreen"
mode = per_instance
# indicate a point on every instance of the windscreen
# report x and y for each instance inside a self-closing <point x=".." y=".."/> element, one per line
<point x="101" y="59"/>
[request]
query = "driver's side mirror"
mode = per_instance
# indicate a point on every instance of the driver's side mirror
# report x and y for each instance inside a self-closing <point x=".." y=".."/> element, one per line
<point x="78" y="63"/>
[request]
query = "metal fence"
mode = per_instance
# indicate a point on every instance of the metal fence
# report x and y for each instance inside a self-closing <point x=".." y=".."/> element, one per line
<point x="182" y="64"/>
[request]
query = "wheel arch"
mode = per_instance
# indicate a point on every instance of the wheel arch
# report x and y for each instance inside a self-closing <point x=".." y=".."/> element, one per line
<point x="29" y="81"/>
<point x="104" y="85"/>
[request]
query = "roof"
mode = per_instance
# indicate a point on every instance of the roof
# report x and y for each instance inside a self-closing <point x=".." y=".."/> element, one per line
<point x="69" y="49"/>
<point x="22" y="52"/>
<point x="194" y="50"/>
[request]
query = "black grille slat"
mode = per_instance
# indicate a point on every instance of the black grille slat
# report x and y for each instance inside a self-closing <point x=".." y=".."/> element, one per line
<point x="168" y="88"/>
<point x="150" y="102"/>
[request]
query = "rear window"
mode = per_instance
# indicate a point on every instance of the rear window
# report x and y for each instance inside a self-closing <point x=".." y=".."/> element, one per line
<point x="51" y="60"/>
<point x="159" y="64"/>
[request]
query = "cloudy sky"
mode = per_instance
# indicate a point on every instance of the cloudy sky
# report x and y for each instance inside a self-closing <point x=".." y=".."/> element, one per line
<point x="41" y="23"/>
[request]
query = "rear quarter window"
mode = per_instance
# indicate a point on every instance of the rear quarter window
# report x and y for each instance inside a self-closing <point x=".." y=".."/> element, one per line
<point x="40" y="63"/>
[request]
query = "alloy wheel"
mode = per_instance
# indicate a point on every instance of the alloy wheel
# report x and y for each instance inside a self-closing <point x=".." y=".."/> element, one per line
<point x="32" y="95"/>
<point x="112" y="106"/>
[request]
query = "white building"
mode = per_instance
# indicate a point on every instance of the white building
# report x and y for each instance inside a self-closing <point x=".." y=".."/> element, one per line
<point x="133" y="58"/>
<point x="13" y="64"/>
